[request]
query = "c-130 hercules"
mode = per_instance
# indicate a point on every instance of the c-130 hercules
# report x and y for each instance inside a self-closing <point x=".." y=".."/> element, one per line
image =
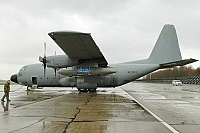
<point x="85" y="67"/>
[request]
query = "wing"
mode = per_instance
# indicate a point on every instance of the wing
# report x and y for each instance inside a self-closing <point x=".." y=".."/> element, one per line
<point x="80" y="46"/>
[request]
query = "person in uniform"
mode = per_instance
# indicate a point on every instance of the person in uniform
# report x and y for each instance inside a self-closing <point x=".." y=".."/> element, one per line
<point x="6" y="91"/>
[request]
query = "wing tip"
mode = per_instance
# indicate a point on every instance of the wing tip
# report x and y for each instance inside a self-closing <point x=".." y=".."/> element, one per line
<point x="67" y="32"/>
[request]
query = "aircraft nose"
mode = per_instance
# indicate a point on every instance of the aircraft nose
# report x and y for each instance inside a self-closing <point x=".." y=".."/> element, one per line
<point x="13" y="78"/>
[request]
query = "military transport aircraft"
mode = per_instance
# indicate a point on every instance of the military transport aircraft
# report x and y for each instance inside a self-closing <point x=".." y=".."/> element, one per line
<point x="85" y="67"/>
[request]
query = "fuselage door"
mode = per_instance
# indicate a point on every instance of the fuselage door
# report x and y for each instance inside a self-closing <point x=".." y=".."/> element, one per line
<point x="113" y="79"/>
<point x="34" y="82"/>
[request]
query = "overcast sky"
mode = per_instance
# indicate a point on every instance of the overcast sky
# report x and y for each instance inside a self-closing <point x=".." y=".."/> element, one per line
<point x="124" y="30"/>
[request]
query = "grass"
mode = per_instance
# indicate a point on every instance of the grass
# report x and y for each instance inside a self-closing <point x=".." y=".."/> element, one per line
<point x="12" y="83"/>
<point x="2" y="83"/>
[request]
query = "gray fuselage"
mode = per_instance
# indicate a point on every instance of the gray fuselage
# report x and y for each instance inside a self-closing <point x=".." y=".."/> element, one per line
<point x="34" y="74"/>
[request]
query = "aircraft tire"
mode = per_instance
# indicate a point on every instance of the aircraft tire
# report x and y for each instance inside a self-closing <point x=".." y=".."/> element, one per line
<point x="27" y="88"/>
<point x="92" y="90"/>
<point x="83" y="90"/>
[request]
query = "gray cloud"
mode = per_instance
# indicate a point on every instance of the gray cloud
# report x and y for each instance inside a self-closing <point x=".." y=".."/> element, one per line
<point x="124" y="30"/>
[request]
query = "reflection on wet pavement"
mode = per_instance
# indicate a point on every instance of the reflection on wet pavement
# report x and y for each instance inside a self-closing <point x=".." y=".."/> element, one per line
<point x="177" y="105"/>
<point x="108" y="110"/>
<point x="5" y="106"/>
<point x="66" y="110"/>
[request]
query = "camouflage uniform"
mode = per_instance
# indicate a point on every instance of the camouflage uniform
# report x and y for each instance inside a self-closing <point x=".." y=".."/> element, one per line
<point x="6" y="91"/>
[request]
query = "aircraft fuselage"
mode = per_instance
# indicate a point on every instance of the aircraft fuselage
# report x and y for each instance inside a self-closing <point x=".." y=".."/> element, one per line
<point x="34" y="74"/>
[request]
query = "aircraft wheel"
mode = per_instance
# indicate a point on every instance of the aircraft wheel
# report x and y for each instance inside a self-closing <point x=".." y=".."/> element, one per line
<point x="83" y="90"/>
<point x="27" y="88"/>
<point x="92" y="90"/>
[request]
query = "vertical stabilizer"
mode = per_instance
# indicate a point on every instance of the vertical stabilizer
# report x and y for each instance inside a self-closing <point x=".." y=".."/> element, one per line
<point x="166" y="48"/>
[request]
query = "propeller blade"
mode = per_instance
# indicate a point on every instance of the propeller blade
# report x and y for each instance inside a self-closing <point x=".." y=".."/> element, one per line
<point x="45" y="47"/>
<point x="44" y="70"/>
<point x="55" y="71"/>
<point x="44" y="59"/>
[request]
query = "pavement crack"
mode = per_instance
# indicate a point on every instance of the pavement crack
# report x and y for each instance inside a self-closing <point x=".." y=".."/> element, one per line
<point x="79" y="110"/>
<point x="90" y="120"/>
<point x="72" y="119"/>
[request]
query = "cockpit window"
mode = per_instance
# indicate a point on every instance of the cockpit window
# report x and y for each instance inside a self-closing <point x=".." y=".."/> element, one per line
<point x="23" y="68"/>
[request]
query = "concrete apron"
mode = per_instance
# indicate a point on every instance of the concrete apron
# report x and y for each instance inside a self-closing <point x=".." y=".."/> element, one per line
<point x="66" y="110"/>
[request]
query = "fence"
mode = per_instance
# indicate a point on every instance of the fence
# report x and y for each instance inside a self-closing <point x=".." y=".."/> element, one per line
<point x="184" y="80"/>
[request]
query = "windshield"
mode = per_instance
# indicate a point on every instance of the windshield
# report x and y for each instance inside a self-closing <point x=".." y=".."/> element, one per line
<point x="23" y="68"/>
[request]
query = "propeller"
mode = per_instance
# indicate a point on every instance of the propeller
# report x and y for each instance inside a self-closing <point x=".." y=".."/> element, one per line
<point x="44" y="59"/>
<point x="54" y="68"/>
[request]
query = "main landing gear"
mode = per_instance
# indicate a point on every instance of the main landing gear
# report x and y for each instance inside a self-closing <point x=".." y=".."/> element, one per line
<point x="27" y="88"/>
<point x="86" y="90"/>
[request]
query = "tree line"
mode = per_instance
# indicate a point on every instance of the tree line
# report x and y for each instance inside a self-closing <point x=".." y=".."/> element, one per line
<point x="182" y="71"/>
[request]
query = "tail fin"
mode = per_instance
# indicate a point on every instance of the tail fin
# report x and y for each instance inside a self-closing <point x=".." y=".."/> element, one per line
<point x="166" y="48"/>
<point x="166" y="51"/>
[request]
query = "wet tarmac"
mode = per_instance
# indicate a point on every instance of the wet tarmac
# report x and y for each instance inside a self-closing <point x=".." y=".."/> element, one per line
<point x="179" y="106"/>
<point x="55" y="110"/>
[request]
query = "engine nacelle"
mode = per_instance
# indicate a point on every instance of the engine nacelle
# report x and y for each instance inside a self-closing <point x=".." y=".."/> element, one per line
<point x="60" y="61"/>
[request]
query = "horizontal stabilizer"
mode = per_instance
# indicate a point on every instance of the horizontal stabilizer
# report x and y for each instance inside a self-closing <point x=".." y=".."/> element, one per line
<point x="178" y="63"/>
